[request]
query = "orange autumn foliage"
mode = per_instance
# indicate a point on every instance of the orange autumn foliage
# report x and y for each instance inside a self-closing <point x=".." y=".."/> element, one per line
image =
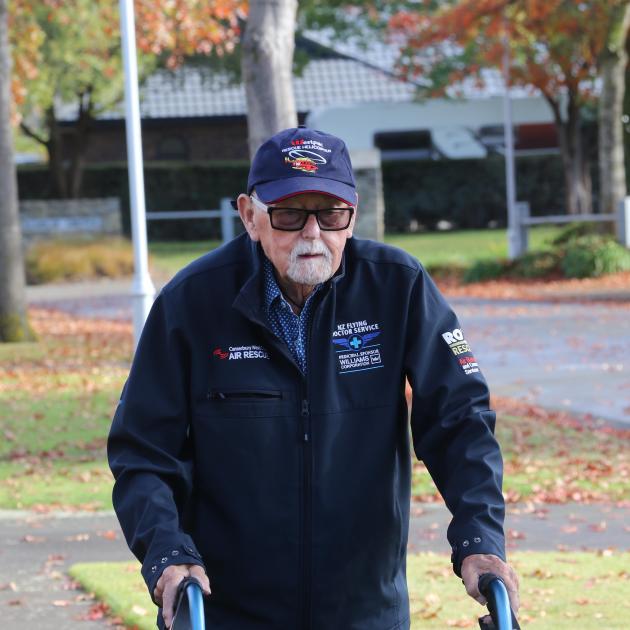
<point x="171" y="29"/>
<point x="554" y="44"/>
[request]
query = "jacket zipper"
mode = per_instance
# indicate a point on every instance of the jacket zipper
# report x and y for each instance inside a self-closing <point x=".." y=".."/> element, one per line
<point x="307" y="508"/>
<point x="307" y="463"/>
<point x="306" y="515"/>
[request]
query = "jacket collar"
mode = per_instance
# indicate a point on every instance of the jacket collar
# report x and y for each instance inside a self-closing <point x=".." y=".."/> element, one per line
<point x="250" y="299"/>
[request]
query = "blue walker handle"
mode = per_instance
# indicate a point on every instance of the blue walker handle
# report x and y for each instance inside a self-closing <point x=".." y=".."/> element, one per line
<point x="189" y="614"/>
<point x="195" y="604"/>
<point x="493" y="588"/>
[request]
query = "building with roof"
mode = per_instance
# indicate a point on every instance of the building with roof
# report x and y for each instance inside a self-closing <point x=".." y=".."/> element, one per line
<point x="192" y="115"/>
<point x="189" y="114"/>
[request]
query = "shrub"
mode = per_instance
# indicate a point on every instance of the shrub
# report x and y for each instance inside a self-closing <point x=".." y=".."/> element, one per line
<point x="580" y="251"/>
<point x="574" y="231"/>
<point x="447" y="271"/>
<point x="78" y="259"/>
<point x="536" y="264"/>
<point x="487" y="270"/>
<point x="593" y="255"/>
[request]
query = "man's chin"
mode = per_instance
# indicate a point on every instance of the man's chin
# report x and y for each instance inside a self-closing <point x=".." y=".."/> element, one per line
<point x="310" y="273"/>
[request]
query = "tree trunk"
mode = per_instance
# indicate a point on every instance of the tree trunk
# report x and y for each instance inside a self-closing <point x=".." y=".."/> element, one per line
<point x="54" y="146"/>
<point x="575" y="160"/>
<point x="13" y="319"/>
<point x="267" y="67"/>
<point x="65" y="181"/>
<point x="613" y="62"/>
<point x="81" y="133"/>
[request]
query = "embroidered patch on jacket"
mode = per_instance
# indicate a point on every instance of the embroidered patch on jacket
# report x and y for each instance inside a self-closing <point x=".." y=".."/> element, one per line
<point x="240" y="353"/>
<point x="459" y="346"/>
<point x="469" y="364"/>
<point x="357" y="348"/>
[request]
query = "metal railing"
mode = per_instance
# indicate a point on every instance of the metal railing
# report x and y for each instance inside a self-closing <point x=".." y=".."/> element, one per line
<point x="226" y="213"/>
<point x="525" y="221"/>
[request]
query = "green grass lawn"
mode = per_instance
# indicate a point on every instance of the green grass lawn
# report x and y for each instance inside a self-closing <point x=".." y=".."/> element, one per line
<point x="559" y="591"/>
<point x="551" y="459"/>
<point x="169" y="257"/>
<point x="433" y="249"/>
<point x="462" y="248"/>
<point x="57" y="398"/>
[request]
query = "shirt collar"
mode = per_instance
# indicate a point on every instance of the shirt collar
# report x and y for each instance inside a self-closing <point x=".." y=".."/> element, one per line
<point x="271" y="289"/>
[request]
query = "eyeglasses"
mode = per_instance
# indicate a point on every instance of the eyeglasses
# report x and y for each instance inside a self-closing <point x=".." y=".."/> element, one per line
<point x="294" y="219"/>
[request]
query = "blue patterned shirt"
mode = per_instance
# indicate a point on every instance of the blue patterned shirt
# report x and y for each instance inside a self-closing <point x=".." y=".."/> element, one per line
<point x="291" y="328"/>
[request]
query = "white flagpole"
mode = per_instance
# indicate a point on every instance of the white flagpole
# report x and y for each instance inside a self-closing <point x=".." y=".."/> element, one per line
<point x="142" y="289"/>
<point x="514" y="248"/>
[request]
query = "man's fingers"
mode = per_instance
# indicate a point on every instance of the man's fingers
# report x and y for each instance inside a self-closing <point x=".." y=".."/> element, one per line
<point x="200" y="575"/>
<point x="512" y="590"/>
<point x="170" y="591"/>
<point x="478" y="564"/>
<point x="472" y="589"/>
<point x="511" y="584"/>
<point x="470" y="578"/>
<point x="166" y="588"/>
<point x="157" y="594"/>
<point x="168" y="582"/>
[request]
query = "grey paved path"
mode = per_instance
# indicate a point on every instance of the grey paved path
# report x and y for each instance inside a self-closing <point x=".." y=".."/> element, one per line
<point x="35" y="591"/>
<point x="574" y="357"/>
<point x="38" y="549"/>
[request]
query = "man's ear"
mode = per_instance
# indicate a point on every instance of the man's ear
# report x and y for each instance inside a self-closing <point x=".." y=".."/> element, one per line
<point x="246" y="211"/>
<point x="350" y="229"/>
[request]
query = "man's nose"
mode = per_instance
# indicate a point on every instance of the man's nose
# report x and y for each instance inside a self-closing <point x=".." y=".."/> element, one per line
<point x="311" y="228"/>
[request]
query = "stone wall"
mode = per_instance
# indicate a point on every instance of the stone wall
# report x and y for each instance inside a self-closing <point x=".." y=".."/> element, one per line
<point x="70" y="217"/>
<point x="371" y="214"/>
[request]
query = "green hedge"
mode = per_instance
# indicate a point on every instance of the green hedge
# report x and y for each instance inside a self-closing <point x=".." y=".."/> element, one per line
<point x="168" y="186"/>
<point x="468" y="193"/>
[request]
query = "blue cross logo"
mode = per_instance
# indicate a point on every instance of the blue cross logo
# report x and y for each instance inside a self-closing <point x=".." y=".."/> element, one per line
<point x="356" y="342"/>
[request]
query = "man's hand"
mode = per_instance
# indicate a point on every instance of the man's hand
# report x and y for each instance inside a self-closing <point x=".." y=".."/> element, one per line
<point x="166" y="587"/>
<point x="478" y="564"/>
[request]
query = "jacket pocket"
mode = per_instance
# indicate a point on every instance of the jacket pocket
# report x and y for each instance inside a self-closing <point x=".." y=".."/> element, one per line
<point x="236" y="395"/>
<point x="245" y="402"/>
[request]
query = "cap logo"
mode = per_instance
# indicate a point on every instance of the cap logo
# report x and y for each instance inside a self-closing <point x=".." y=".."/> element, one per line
<point x="305" y="155"/>
<point x="301" y="159"/>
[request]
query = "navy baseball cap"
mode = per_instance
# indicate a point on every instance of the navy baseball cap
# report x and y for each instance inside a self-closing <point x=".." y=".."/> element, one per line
<point x="301" y="160"/>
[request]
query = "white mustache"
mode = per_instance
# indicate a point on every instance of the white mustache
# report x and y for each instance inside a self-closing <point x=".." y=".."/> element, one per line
<point x="310" y="247"/>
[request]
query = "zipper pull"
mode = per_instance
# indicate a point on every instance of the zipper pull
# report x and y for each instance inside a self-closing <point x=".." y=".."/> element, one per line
<point x="305" y="416"/>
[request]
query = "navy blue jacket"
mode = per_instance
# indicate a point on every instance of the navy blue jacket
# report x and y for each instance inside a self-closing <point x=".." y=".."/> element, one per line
<point x="294" y="491"/>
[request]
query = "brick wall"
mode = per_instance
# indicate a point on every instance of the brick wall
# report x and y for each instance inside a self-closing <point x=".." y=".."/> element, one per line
<point x="219" y="138"/>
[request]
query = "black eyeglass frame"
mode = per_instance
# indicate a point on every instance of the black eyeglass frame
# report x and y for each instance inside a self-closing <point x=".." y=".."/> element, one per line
<point x="271" y="209"/>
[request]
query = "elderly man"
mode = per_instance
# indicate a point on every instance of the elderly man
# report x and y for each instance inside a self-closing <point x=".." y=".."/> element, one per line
<point x="261" y="443"/>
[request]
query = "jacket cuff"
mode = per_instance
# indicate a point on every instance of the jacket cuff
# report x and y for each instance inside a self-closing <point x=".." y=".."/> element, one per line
<point x="154" y="564"/>
<point x="474" y="542"/>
